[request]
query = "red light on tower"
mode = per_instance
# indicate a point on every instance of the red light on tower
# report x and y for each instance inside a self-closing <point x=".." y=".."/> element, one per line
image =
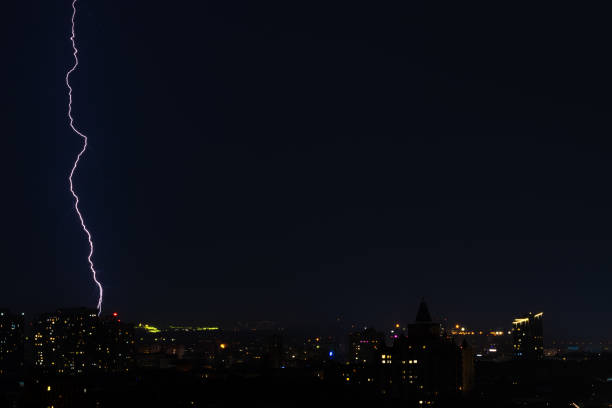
<point x="115" y="314"/>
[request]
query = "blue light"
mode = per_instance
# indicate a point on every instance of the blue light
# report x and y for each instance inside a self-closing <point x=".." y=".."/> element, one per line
<point x="331" y="353"/>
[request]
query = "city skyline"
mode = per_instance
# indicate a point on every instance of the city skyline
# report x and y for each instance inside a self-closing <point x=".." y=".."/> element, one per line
<point x="305" y="204"/>
<point x="75" y="357"/>
<point x="338" y="325"/>
<point x="302" y="162"/>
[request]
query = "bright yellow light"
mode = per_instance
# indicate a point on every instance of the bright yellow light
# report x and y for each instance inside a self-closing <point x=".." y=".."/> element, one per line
<point x="397" y="325"/>
<point x="196" y="328"/>
<point x="48" y="388"/>
<point x="520" y="320"/>
<point x="223" y="345"/>
<point x="148" y="328"/>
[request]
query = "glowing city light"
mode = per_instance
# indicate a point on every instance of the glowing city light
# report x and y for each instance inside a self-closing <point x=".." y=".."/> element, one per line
<point x="195" y="328"/>
<point x="148" y="328"/>
<point x="78" y="158"/>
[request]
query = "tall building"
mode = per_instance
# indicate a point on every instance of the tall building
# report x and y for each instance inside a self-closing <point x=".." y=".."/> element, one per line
<point x="424" y="329"/>
<point x="425" y="364"/>
<point x="528" y="336"/>
<point x="11" y="342"/>
<point x="467" y="368"/>
<point x="365" y="346"/>
<point x="363" y="360"/>
<point x="76" y="341"/>
<point x="64" y="342"/>
<point x="116" y="345"/>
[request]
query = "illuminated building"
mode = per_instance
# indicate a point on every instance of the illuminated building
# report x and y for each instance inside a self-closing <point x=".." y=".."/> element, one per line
<point x="11" y="342"/>
<point x="487" y="344"/>
<point x="394" y="332"/>
<point x="116" y="345"/>
<point x="320" y="348"/>
<point x="364" y="357"/>
<point x="365" y="346"/>
<point x="425" y="364"/>
<point x="528" y="336"/>
<point x="64" y="342"/>
<point x="76" y="341"/>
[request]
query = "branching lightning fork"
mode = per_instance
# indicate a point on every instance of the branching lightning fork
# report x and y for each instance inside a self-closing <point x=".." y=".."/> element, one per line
<point x="78" y="158"/>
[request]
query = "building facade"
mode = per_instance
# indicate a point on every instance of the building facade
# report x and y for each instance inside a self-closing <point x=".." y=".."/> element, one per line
<point x="365" y="346"/>
<point x="422" y="366"/>
<point x="76" y="341"/>
<point x="425" y="364"/>
<point x="11" y="342"/>
<point x="528" y="337"/>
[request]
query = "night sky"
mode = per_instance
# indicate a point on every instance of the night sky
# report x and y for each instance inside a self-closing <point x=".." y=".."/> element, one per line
<point x="301" y="160"/>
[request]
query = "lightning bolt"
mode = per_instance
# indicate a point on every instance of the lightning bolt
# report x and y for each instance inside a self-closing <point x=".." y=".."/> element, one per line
<point x="78" y="158"/>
